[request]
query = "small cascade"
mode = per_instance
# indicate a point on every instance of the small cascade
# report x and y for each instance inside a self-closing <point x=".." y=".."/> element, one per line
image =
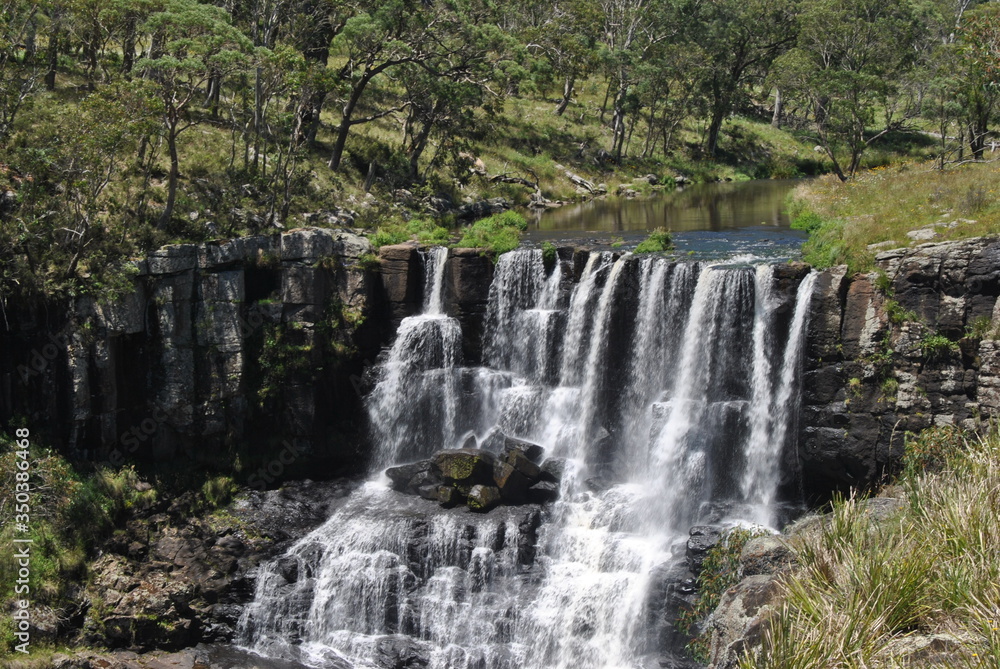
<point x="434" y="263"/>
<point x="421" y="372"/>
<point x="664" y="392"/>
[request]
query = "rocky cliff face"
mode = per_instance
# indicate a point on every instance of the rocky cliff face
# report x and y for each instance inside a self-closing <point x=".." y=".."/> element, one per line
<point x="222" y="348"/>
<point x="909" y="346"/>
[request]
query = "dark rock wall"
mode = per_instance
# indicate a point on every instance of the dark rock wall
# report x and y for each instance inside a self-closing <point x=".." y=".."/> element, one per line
<point x="872" y="373"/>
<point x="244" y="346"/>
<point x="223" y="351"/>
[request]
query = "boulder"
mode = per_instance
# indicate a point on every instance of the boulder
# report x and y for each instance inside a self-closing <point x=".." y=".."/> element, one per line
<point x="543" y="492"/>
<point x="533" y="452"/>
<point x="482" y="498"/>
<point x="701" y="539"/>
<point x="741" y="619"/>
<point x="553" y="470"/>
<point x="403" y="474"/>
<point x="466" y="466"/>
<point x="765" y="555"/>
<point x="513" y="484"/>
<point x="401" y="652"/>
<point x="519" y="461"/>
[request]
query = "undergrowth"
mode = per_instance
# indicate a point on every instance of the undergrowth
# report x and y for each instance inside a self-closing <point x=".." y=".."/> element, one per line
<point x="865" y="586"/>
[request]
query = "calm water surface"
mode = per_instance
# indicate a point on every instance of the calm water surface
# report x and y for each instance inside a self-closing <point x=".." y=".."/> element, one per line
<point x="707" y="220"/>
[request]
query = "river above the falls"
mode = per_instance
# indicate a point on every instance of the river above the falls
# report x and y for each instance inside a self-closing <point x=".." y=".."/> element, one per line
<point x="707" y="221"/>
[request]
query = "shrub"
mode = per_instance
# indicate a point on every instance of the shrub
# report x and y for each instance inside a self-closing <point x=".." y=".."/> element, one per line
<point x="897" y="314"/>
<point x="548" y="253"/>
<point x="218" y="491"/>
<point x="659" y="240"/>
<point x="937" y="347"/>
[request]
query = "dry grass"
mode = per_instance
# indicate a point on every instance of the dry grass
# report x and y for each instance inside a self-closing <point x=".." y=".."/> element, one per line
<point x="883" y="204"/>
<point x="867" y="587"/>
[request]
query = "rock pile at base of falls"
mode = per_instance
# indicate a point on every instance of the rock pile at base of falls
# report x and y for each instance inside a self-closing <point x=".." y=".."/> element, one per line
<point x="480" y="479"/>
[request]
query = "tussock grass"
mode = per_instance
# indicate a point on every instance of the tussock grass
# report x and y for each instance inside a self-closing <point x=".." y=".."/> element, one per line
<point x="883" y="204"/>
<point x="867" y="586"/>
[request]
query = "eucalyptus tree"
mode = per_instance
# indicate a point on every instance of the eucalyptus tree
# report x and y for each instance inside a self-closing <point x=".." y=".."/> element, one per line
<point x="740" y="40"/>
<point x="851" y="75"/>
<point x="979" y="48"/>
<point x="631" y="28"/>
<point x="190" y="43"/>
<point x="566" y="36"/>
<point x="17" y="77"/>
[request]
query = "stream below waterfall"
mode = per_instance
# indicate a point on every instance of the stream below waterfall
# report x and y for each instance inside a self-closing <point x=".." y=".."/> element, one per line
<point x="666" y="394"/>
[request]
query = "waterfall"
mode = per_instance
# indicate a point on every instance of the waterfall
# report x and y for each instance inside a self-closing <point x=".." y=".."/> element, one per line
<point x="664" y="392"/>
<point x="421" y="366"/>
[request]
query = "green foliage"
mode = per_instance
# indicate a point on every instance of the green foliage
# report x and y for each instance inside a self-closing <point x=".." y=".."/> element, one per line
<point x="719" y="571"/>
<point x="897" y="314"/>
<point x="936" y="347"/>
<point x="423" y="230"/>
<point x="981" y="328"/>
<point x="659" y="240"/>
<point x="883" y="283"/>
<point x="71" y="514"/>
<point x="548" y="253"/>
<point x="496" y="234"/>
<point x="218" y="491"/>
<point x="369" y="262"/>
<point x="933" y="449"/>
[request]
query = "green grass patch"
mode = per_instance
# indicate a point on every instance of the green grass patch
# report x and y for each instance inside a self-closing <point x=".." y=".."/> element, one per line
<point x="659" y="240"/>
<point x="496" y="234"/>
<point x="423" y="230"/>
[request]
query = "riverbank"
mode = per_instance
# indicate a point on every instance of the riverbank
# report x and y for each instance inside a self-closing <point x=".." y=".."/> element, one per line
<point x="894" y="206"/>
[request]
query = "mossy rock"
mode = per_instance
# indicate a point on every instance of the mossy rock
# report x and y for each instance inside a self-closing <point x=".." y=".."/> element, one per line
<point x="482" y="498"/>
<point x="465" y="466"/>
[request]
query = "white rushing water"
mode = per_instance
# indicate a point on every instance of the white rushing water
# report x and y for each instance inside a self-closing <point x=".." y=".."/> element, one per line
<point x="667" y="391"/>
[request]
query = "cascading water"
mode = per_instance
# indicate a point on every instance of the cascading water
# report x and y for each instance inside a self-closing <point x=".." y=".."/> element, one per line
<point x="666" y="390"/>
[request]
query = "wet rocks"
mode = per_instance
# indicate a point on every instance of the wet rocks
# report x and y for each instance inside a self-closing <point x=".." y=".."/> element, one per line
<point x="479" y="478"/>
<point x="702" y="538"/>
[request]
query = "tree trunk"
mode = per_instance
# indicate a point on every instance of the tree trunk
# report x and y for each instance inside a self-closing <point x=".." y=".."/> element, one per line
<point x="345" y="122"/>
<point x="715" y="129"/>
<point x="128" y="45"/>
<point x="53" y="54"/>
<point x="776" y="117"/>
<point x="172" y="176"/>
<point x="418" y="146"/>
<point x="568" y="85"/>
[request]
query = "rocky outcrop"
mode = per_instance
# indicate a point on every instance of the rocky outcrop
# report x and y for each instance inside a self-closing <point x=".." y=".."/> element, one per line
<point x="909" y="346"/>
<point x="479" y="478"/>
<point x="242" y="343"/>
<point x="173" y="577"/>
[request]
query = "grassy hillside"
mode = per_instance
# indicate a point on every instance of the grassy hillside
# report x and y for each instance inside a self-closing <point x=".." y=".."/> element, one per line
<point x="850" y="222"/>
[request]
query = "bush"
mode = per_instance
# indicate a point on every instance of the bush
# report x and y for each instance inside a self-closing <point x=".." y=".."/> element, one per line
<point x="659" y="240"/>
<point x="496" y="234"/>
<point x="422" y="230"/>
<point x="548" y="253"/>
<point x="937" y="347"/>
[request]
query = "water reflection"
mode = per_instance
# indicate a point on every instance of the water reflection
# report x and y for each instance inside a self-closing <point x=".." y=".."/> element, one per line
<point x="717" y="206"/>
<point x="707" y="220"/>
